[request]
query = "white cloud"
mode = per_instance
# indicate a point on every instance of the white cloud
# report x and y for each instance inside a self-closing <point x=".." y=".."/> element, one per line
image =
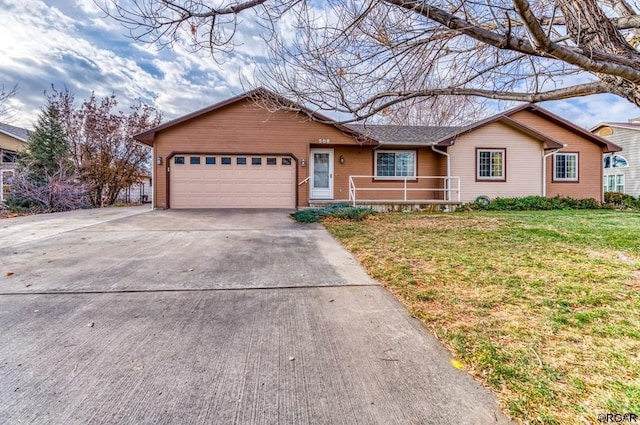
<point x="591" y="110"/>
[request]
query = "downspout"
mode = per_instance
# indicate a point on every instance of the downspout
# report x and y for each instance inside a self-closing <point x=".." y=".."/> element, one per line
<point x="447" y="183"/>
<point x="544" y="168"/>
<point x="154" y="182"/>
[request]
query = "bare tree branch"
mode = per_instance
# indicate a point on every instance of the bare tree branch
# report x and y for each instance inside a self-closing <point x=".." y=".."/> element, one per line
<point x="5" y="95"/>
<point x="363" y="57"/>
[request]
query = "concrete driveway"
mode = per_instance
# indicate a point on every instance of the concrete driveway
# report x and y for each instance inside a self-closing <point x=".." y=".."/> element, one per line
<point x="130" y="316"/>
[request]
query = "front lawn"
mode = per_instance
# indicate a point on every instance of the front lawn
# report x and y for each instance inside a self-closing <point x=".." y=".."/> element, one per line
<point x="542" y="307"/>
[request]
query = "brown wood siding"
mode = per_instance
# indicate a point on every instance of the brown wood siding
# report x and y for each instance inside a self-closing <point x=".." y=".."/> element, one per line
<point x="589" y="159"/>
<point x="359" y="161"/>
<point x="244" y="128"/>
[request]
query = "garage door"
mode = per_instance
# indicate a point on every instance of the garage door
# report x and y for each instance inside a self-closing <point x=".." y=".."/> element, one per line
<point x="232" y="181"/>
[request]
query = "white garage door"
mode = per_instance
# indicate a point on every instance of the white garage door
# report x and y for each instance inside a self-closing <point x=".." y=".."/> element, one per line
<point x="232" y="181"/>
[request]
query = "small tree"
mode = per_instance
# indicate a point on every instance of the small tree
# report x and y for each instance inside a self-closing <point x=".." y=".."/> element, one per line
<point x="48" y="147"/>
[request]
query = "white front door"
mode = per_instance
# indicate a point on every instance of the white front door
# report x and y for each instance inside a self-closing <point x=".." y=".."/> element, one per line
<point x="321" y="173"/>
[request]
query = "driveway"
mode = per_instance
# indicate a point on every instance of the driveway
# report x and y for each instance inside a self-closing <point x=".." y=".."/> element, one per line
<point x="131" y="316"/>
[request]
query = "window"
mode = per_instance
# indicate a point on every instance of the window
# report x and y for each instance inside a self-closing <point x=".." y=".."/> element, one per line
<point x="241" y="160"/>
<point x="490" y="164"/>
<point x="210" y="160"/>
<point x="178" y="159"/>
<point x="615" y="161"/>
<point x="194" y="160"/>
<point x="286" y="161"/>
<point x="9" y="156"/>
<point x="256" y="161"/>
<point x="614" y="183"/>
<point x="565" y="167"/>
<point x="271" y="161"/>
<point x="225" y="160"/>
<point x="395" y="164"/>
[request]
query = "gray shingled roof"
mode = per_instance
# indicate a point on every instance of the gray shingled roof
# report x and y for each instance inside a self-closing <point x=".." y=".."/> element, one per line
<point x="404" y="135"/>
<point x="17" y="132"/>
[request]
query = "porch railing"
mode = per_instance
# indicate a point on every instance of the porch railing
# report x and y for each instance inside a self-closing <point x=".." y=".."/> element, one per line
<point x="448" y="186"/>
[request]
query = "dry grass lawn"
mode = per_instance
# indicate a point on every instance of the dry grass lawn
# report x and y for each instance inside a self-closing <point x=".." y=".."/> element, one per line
<point x="542" y="307"/>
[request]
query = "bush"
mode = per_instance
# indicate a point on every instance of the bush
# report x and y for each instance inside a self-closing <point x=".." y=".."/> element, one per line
<point x="532" y="203"/>
<point x="621" y="200"/>
<point x="58" y="192"/>
<point x="344" y="211"/>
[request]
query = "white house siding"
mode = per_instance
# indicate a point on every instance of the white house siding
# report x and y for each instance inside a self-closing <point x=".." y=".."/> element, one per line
<point x="629" y="140"/>
<point x="523" y="162"/>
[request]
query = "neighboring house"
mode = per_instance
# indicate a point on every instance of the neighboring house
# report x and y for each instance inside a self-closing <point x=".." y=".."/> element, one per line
<point x="238" y="154"/>
<point x="139" y="192"/>
<point x="622" y="170"/>
<point x="12" y="141"/>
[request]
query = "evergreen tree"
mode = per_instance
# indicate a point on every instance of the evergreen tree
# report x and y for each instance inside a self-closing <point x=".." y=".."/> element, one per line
<point x="48" y="150"/>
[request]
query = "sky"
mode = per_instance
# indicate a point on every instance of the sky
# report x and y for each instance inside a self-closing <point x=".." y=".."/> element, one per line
<point x="70" y="43"/>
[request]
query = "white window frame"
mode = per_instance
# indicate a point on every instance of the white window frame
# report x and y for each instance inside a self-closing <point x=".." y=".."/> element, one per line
<point x="618" y="181"/>
<point x="413" y="176"/>
<point x="503" y="152"/>
<point x="555" y="169"/>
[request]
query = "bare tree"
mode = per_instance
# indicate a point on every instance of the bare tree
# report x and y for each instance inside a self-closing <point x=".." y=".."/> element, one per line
<point x="107" y="157"/>
<point x="60" y="191"/>
<point x="361" y="57"/>
<point x="433" y="111"/>
<point x="5" y="96"/>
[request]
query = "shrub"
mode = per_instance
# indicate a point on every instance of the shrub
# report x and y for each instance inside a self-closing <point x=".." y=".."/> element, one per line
<point x="532" y="203"/>
<point x="345" y="211"/>
<point x="621" y="200"/>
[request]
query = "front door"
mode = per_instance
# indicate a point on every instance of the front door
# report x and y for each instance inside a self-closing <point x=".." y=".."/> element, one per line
<point x="321" y="174"/>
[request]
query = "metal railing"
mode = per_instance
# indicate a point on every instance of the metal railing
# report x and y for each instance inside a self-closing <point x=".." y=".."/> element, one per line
<point x="449" y="186"/>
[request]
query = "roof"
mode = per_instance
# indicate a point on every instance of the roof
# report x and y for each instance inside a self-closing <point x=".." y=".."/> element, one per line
<point x="15" y="132"/>
<point x="400" y="135"/>
<point x="148" y="136"/>
<point x="403" y="134"/>
<point x="505" y="117"/>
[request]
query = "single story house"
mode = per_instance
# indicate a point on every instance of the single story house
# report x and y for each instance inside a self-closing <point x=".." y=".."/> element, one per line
<point x="12" y="141"/>
<point x="622" y="170"/>
<point x="238" y="154"/>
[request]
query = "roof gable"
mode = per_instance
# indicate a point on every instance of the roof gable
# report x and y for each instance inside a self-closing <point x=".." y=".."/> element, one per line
<point x="593" y="138"/>
<point x="551" y="143"/>
<point x="506" y="118"/>
<point x="148" y="136"/>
